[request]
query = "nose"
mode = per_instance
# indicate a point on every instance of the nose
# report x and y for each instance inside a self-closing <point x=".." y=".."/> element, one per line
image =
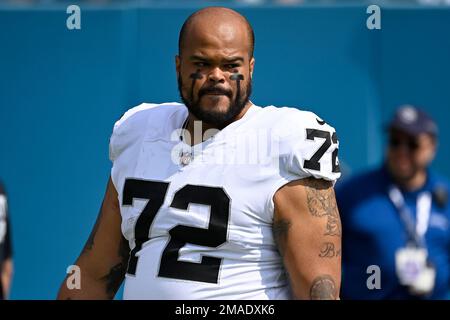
<point x="216" y="76"/>
<point x="401" y="150"/>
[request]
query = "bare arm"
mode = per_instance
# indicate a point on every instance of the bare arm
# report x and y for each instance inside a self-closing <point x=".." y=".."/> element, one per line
<point x="6" y="276"/>
<point x="307" y="229"/>
<point x="104" y="258"/>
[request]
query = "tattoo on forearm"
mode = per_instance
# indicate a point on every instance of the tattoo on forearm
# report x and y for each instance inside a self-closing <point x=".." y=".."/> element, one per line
<point x="321" y="202"/>
<point x="114" y="279"/>
<point x="280" y="230"/>
<point x="333" y="226"/>
<point x="323" y="288"/>
<point x="329" y="251"/>
<point x="117" y="273"/>
<point x="90" y="242"/>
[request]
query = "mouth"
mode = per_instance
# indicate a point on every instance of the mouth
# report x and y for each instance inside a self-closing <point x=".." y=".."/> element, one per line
<point x="215" y="94"/>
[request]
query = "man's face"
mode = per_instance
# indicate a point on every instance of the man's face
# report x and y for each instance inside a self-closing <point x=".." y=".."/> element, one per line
<point x="407" y="155"/>
<point x="214" y="73"/>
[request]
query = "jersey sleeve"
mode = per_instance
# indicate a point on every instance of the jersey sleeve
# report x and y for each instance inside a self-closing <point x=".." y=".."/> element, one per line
<point x="127" y="133"/>
<point x="126" y="130"/>
<point x="307" y="147"/>
<point x="310" y="148"/>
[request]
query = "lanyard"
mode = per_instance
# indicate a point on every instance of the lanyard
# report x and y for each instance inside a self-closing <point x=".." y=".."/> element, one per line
<point x="416" y="230"/>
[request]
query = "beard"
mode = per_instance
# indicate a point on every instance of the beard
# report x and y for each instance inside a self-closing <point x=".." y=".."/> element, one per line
<point x="218" y="119"/>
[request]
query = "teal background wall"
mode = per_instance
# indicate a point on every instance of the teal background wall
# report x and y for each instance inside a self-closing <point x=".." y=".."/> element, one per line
<point x="62" y="90"/>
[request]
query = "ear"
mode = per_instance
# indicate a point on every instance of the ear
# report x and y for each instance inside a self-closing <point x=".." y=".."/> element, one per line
<point x="252" y="66"/>
<point x="177" y="64"/>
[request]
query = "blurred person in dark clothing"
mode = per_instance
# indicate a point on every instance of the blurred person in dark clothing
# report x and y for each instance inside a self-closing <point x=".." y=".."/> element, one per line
<point x="6" y="262"/>
<point x="397" y="218"/>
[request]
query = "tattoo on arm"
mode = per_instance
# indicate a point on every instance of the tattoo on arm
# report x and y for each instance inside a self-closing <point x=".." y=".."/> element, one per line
<point x="323" y="288"/>
<point x="329" y="251"/>
<point x="321" y="202"/>
<point x="280" y="230"/>
<point x="116" y="274"/>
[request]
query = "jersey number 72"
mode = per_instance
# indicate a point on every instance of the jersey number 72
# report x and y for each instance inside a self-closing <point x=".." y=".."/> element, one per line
<point x="313" y="163"/>
<point x="214" y="236"/>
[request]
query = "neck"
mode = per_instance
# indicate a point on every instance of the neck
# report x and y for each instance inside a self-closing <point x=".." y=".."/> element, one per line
<point x="414" y="183"/>
<point x="207" y="130"/>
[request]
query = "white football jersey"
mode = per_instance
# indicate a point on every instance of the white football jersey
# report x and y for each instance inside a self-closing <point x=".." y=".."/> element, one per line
<point x="203" y="229"/>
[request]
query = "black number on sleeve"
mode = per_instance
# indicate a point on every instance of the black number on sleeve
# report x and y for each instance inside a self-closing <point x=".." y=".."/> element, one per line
<point x="334" y="156"/>
<point x="214" y="236"/>
<point x="311" y="134"/>
<point x="155" y="192"/>
<point x="314" y="162"/>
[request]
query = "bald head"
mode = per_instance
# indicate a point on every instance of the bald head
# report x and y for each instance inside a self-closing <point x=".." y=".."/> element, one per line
<point x="215" y="65"/>
<point x="217" y="21"/>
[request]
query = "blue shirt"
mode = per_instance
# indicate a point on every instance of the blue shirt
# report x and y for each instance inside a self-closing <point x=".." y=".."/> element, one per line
<point x="372" y="231"/>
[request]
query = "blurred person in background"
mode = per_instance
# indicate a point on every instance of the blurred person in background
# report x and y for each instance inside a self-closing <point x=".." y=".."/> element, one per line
<point x="6" y="263"/>
<point x="397" y="218"/>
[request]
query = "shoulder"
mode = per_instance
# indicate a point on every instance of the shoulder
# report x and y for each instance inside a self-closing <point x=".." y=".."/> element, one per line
<point x="146" y="118"/>
<point x="145" y="112"/>
<point x="291" y="120"/>
<point x="307" y="144"/>
<point x="440" y="179"/>
<point x="441" y="190"/>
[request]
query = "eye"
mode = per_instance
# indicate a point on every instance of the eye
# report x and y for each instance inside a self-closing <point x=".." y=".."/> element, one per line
<point x="200" y="64"/>
<point x="232" y="65"/>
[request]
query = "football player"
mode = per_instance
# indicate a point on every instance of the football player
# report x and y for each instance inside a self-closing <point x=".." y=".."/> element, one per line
<point x="187" y="216"/>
